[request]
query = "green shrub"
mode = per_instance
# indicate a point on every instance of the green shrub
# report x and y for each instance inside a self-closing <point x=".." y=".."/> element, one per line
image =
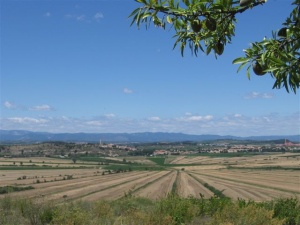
<point x="284" y="208"/>
<point x="9" y="189"/>
<point x="103" y="212"/>
<point x="181" y="210"/>
<point x="73" y="213"/>
<point x="214" y="204"/>
<point x="251" y="214"/>
<point x="130" y="210"/>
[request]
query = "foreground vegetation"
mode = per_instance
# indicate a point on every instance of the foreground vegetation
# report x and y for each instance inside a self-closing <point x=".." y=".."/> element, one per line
<point x="170" y="210"/>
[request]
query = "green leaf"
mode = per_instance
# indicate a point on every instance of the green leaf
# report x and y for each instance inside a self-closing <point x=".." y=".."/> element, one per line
<point x="248" y="72"/>
<point x="182" y="48"/>
<point x="277" y="61"/>
<point x="141" y="1"/>
<point x="208" y="49"/>
<point x="240" y="60"/>
<point x="169" y="20"/>
<point x="241" y="66"/>
<point x="271" y="69"/>
<point x="134" y="12"/>
<point x="145" y="15"/>
<point x="186" y="2"/>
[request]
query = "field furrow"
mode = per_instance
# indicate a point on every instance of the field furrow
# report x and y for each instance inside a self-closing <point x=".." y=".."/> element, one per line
<point x="237" y="190"/>
<point x="284" y="183"/>
<point x="158" y="189"/>
<point x="61" y="188"/>
<point x="123" y="188"/>
<point x="188" y="186"/>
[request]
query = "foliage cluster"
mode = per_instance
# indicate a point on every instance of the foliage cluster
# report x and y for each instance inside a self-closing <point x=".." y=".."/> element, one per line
<point x="170" y="210"/>
<point x="208" y="25"/>
<point x="9" y="189"/>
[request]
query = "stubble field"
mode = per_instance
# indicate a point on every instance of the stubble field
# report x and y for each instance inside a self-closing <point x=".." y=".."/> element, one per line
<point x="257" y="178"/>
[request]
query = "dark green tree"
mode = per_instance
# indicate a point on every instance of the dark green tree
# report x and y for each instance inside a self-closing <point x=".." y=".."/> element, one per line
<point x="208" y="25"/>
<point x="74" y="159"/>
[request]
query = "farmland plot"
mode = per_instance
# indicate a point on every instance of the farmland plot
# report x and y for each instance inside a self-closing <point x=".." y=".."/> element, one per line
<point x="28" y="177"/>
<point x="82" y="186"/>
<point x="187" y="186"/>
<point x="125" y="187"/>
<point x="250" y="186"/>
<point x="281" y="180"/>
<point x="159" y="188"/>
<point x="184" y="175"/>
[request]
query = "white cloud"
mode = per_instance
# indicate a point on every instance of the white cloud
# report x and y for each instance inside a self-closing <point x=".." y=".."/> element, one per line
<point x="9" y="105"/>
<point x="245" y="125"/>
<point x="85" y="18"/>
<point x="23" y="120"/>
<point x="237" y="115"/>
<point x="196" y="118"/>
<point x="127" y="91"/>
<point x="254" y="95"/>
<point x="94" y="123"/>
<point x="110" y="115"/>
<point x="42" y="108"/>
<point x="81" y="18"/>
<point x="98" y="16"/>
<point x="267" y="95"/>
<point x="267" y="119"/>
<point x="154" y="118"/>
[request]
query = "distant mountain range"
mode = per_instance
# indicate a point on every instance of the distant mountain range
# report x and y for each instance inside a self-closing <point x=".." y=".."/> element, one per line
<point x="23" y="136"/>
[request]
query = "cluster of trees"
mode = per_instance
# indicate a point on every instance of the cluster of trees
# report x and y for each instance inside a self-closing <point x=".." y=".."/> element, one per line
<point x="208" y="25"/>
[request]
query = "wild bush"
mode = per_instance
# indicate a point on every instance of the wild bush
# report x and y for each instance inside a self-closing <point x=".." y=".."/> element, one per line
<point x="130" y="210"/>
<point x="285" y="208"/>
<point x="181" y="210"/>
<point x="251" y="214"/>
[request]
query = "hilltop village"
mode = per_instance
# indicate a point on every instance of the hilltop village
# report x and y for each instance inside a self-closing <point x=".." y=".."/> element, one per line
<point x="65" y="150"/>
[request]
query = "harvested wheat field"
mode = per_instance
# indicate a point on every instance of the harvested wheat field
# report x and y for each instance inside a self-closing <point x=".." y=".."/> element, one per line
<point x="257" y="178"/>
<point x="188" y="186"/>
<point x="258" y="185"/>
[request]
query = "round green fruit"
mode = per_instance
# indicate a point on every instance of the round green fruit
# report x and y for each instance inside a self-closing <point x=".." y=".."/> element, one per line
<point x="258" y="69"/>
<point x="245" y="2"/>
<point x="219" y="48"/>
<point x="211" y="24"/>
<point x="196" y="25"/>
<point x="282" y="32"/>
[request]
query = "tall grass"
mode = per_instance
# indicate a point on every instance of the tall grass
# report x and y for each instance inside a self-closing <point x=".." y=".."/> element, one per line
<point x="172" y="210"/>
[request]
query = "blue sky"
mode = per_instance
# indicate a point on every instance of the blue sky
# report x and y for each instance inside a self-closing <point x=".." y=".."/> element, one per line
<point x="78" y="66"/>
